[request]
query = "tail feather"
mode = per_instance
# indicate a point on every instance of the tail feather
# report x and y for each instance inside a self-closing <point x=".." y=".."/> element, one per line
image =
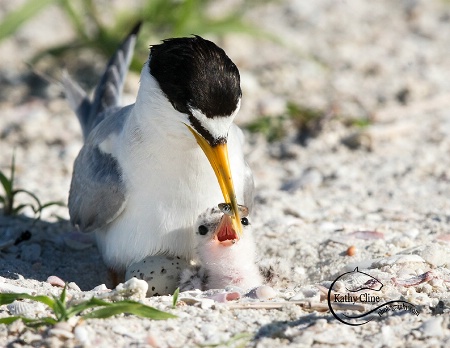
<point x="108" y="91"/>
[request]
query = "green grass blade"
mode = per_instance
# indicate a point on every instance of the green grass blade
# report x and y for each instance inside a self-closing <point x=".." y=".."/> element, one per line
<point x="9" y="298"/>
<point x="29" y="321"/>
<point x="6" y="183"/>
<point x="16" y="18"/>
<point x="16" y="210"/>
<point x="77" y="309"/>
<point x="39" y="322"/>
<point x="175" y="297"/>
<point x="130" y="307"/>
<point x="9" y="320"/>
<point x="31" y="194"/>
<point x="60" y="306"/>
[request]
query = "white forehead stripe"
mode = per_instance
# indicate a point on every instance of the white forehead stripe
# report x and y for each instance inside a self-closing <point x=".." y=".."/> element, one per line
<point x="217" y="126"/>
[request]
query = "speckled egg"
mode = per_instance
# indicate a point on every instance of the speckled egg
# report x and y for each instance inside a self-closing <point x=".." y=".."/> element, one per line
<point x="160" y="272"/>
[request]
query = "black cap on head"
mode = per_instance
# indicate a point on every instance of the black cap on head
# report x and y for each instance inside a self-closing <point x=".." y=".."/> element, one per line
<point x="196" y="73"/>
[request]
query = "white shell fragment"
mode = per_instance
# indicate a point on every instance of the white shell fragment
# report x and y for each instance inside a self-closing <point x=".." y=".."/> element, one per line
<point x="133" y="287"/>
<point x="265" y="292"/>
<point x="422" y="278"/>
<point x="160" y="272"/>
<point x="101" y="287"/>
<point x="437" y="255"/>
<point x="398" y="259"/>
<point x="26" y="309"/>
<point x="432" y="327"/>
<point x="10" y="288"/>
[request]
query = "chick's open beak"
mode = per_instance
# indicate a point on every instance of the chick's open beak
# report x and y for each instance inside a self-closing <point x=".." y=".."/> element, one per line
<point x="218" y="158"/>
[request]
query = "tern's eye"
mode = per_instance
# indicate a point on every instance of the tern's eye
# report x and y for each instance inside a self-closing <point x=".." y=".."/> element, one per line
<point x="244" y="221"/>
<point x="202" y="229"/>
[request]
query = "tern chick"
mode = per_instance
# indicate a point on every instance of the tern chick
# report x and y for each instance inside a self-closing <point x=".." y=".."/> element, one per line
<point x="223" y="259"/>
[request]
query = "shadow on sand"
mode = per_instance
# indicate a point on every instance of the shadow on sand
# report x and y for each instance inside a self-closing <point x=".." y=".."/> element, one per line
<point x="46" y="253"/>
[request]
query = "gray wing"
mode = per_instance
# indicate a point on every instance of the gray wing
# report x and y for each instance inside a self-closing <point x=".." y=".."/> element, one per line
<point x="97" y="192"/>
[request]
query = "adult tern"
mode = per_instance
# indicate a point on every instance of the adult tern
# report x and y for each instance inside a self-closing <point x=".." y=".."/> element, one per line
<point x="142" y="177"/>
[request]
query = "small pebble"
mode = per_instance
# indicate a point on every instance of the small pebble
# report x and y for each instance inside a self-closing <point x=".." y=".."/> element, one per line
<point x="265" y="292"/>
<point x="437" y="254"/>
<point x="61" y="333"/>
<point x="73" y="286"/>
<point x="56" y="281"/>
<point x="351" y="251"/>
<point x="225" y="297"/>
<point x="82" y="334"/>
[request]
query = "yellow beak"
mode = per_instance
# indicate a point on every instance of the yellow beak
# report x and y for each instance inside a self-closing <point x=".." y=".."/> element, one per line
<point x="218" y="158"/>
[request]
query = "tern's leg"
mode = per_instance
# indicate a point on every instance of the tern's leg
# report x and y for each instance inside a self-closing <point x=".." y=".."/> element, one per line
<point x="115" y="278"/>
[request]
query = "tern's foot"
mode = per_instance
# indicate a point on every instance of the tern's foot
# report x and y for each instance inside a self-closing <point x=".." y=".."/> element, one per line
<point x="160" y="272"/>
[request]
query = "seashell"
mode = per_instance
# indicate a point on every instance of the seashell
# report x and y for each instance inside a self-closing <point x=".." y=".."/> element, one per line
<point x="22" y="308"/>
<point x="265" y="292"/>
<point x="225" y="297"/>
<point x="56" y="281"/>
<point x="422" y="278"/>
<point x="204" y="303"/>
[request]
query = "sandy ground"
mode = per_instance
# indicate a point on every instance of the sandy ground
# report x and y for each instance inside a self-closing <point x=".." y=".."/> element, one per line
<point x="376" y="196"/>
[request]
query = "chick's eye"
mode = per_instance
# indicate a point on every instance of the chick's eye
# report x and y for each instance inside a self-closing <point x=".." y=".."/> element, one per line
<point x="202" y="229"/>
<point x="244" y="221"/>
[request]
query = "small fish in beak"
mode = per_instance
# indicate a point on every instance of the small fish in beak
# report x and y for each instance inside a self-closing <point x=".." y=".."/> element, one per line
<point x="226" y="208"/>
